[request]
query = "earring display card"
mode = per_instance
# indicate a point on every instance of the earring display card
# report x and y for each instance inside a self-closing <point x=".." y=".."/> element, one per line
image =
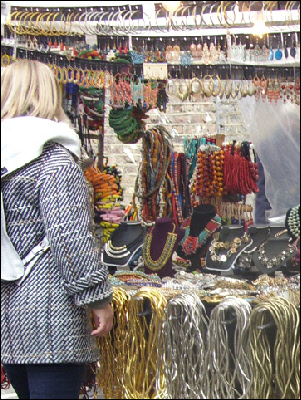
<point x="155" y="71"/>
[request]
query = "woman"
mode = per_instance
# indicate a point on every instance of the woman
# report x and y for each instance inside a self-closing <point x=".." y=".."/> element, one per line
<point x="51" y="274"/>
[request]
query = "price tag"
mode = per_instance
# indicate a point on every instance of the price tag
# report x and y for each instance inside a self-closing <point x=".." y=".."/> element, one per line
<point x="223" y="258"/>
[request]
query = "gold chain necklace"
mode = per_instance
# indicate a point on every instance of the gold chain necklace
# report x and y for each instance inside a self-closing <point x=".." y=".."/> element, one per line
<point x="166" y="252"/>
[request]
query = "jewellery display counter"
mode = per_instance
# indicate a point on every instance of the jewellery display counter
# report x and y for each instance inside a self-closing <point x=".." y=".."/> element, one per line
<point x="206" y="296"/>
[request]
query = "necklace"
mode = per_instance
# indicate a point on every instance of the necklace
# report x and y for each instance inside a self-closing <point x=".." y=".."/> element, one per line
<point x="277" y="260"/>
<point x="166" y="252"/>
<point x="191" y="244"/>
<point x="125" y="250"/>
<point x="292" y="222"/>
<point x="230" y="247"/>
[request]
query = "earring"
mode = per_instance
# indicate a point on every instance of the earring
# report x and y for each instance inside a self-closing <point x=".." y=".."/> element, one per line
<point x="217" y="92"/>
<point x="208" y="93"/>
<point x="182" y="95"/>
<point x="199" y="50"/>
<point x="169" y="53"/>
<point x="176" y="53"/>
<point x="228" y="88"/>
<point x="276" y="94"/>
<point x="206" y="54"/>
<point x="213" y="54"/>
<point x="263" y="85"/>
<point x="270" y="90"/>
<point x="198" y="82"/>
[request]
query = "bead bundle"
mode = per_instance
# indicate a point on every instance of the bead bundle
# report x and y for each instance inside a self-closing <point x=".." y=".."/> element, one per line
<point x="209" y="182"/>
<point x="128" y="124"/>
<point x="153" y="184"/>
<point x="107" y="194"/>
<point x="240" y="173"/>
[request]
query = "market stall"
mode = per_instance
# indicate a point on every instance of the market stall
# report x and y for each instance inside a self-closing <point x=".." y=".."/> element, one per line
<point x="189" y="120"/>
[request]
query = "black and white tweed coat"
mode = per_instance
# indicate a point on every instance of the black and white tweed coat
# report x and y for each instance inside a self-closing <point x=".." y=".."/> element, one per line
<point x="45" y="320"/>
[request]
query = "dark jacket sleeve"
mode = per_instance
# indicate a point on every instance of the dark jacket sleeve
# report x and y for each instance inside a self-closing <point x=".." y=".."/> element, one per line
<point x="65" y="210"/>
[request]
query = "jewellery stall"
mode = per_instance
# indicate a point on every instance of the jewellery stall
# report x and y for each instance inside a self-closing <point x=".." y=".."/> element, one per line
<point x="189" y="117"/>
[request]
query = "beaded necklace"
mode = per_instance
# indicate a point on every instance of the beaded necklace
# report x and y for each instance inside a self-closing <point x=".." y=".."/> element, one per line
<point x="292" y="222"/>
<point x="191" y="244"/>
<point x="156" y="157"/>
<point x="166" y="252"/>
<point x="175" y="189"/>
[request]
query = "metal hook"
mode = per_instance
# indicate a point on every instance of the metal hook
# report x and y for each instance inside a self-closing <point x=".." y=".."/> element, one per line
<point x="269" y="325"/>
<point x="231" y="319"/>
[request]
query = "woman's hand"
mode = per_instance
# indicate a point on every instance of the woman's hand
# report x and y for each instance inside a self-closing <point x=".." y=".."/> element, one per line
<point x="103" y="319"/>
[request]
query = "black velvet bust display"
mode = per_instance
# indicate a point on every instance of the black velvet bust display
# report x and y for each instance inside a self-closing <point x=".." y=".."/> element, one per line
<point x="201" y="215"/>
<point x="162" y="227"/>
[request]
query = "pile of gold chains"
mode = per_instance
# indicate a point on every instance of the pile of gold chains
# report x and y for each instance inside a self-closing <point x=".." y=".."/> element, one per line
<point x="164" y="345"/>
<point x="121" y="21"/>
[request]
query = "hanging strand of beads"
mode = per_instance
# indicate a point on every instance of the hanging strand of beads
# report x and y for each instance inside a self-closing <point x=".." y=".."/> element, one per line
<point x="153" y="175"/>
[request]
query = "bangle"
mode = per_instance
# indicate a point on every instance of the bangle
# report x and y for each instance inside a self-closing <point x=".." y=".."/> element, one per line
<point x="226" y="17"/>
<point x="41" y="18"/>
<point x="32" y="28"/>
<point x="219" y="16"/>
<point x="22" y="28"/>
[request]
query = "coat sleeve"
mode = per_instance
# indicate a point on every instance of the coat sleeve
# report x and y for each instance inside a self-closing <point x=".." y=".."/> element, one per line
<point x="65" y="210"/>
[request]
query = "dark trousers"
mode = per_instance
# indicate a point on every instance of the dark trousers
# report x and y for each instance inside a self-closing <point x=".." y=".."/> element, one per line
<point x="46" y="381"/>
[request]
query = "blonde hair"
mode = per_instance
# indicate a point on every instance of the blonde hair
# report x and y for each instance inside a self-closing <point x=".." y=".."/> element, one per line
<point x="30" y="88"/>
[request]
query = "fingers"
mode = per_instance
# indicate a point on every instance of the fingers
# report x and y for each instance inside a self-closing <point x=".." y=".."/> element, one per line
<point x="100" y="331"/>
<point x="104" y="326"/>
<point x="103" y="319"/>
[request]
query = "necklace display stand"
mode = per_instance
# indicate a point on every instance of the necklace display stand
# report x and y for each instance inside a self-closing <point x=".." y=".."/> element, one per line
<point x="159" y="246"/>
<point x="124" y="246"/>
<point x="197" y="235"/>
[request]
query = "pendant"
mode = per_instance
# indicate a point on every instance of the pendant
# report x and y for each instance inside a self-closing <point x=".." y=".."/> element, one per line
<point x="278" y="54"/>
<point x="271" y="55"/>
